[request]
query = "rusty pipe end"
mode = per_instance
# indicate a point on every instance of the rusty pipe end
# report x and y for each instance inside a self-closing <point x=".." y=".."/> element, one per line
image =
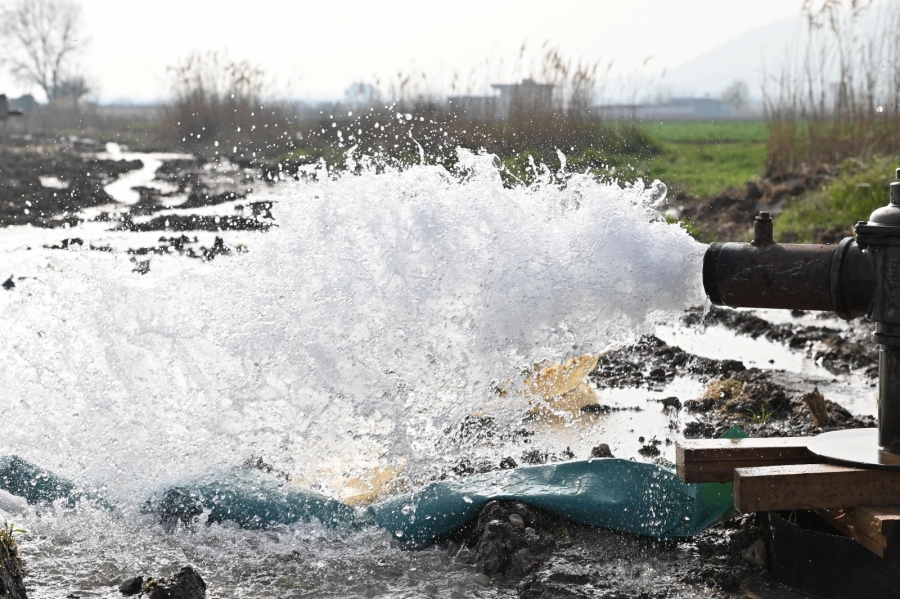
<point x="710" y="280"/>
<point x="790" y="276"/>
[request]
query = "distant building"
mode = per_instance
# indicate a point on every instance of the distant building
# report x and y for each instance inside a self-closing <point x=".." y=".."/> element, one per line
<point x="675" y="109"/>
<point x="478" y="108"/>
<point x="25" y="103"/>
<point x="527" y="96"/>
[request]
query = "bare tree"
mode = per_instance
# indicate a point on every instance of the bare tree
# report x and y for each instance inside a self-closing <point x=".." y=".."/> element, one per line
<point x="736" y="95"/>
<point x="42" y="37"/>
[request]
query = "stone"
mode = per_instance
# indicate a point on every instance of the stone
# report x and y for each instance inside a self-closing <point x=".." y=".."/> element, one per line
<point x="11" y="584"/>
<point x="132" y="586"/>
<point x="187" y="584"/>
<point x="756" y="554"/>
<point x="602" y="451"/>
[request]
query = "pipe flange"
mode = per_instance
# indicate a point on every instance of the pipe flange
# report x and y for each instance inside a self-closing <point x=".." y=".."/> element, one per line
<point x="837" y="261"/>
<point x="710" y="283"/>
<point x="868" y="233"/>
<point x="854" y="447"/>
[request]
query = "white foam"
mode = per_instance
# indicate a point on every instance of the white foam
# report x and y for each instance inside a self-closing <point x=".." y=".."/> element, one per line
<point x="378" y="313"/>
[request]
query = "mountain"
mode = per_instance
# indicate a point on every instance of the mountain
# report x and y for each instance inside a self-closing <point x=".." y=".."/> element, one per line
<point x="763" y="52"/>
<point x="745" y="58"/>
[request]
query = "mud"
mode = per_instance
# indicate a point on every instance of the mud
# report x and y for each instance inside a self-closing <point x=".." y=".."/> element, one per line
<point x="524" y="552"/>
<point x="652" y="363"/>
<point x="841" y="351"/>
<point x="79" y="178"/>
<point x="48" y="182"/>
<point x="728" y="216"/>
<point x="512" y="549"/>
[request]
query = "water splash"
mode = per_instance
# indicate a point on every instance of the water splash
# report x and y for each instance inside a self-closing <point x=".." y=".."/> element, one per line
<point x="383" y="309"/>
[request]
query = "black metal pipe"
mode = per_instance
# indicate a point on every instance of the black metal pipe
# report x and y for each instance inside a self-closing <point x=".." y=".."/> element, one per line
<point x="889" y="398"/>
<point x="859" y="276"/>
<point x="790" y="276"/>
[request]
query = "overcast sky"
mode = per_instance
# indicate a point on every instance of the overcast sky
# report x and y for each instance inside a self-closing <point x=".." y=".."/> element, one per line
<point x="315" y="50"/>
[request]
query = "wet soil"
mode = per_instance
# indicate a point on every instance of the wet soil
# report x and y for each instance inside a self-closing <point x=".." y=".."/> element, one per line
<point x="524" y="552"/>
<point x="48" y="182"/>
<point x="24" y="199"/>
<point x="532" y="554"/>
<point x="728" y="216"/>
<point x="840" y="351"/>
<point x="516" y="550"/>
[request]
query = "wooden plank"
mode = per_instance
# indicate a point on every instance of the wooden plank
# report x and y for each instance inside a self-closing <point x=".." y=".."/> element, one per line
<point x="715" y="460"/>
<point x="813" y="486"/>
<point x="877" y="528"/>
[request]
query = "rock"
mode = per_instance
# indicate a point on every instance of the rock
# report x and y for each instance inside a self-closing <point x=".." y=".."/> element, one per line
<point x="12" y="585"/>
<point x="132" y="586"/>
<point x="671" y="403"/>
<point x="482" y="580"/>
<point x="495" y="548"/>
<point x="602" y="451"/>
<point x="756" y="554"/>
<point x="508" y="463"/>
<point x="506" y="541"/>
<point x="8" y="284"/>
<point x="187" y="584"/>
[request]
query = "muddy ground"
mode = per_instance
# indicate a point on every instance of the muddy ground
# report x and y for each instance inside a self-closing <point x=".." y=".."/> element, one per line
<point x="514" y="550"/>
<point x="48" y="182"/>
<point x="728" y="216"/>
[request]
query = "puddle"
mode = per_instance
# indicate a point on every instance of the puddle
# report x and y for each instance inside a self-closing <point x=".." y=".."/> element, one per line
<point x="123" y="189"/>
<point x="719" y="343"/>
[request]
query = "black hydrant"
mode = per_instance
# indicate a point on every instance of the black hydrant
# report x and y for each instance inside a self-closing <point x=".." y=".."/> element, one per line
<point x="858" y="277"/>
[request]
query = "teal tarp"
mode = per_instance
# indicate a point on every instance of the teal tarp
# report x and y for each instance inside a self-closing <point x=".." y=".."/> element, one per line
<point x="634" y="497"/>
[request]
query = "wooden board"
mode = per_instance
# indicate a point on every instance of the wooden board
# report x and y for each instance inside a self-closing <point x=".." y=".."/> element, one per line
<point x="715" y="460"/>
<point x="813" y="486"/>
<point x="877" y="528"/>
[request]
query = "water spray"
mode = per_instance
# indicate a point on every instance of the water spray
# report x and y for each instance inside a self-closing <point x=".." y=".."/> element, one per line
<point x="858" y="277"/>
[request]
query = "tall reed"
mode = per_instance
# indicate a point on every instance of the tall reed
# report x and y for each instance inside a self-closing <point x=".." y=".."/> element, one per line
<point x="413" y="113"/>
<point x="217" y="100"/>
<point x="839" y="96"/>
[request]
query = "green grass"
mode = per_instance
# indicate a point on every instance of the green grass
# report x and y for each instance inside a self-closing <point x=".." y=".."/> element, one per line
<point x="705" y="169"/>
<point x="703" y="159"/>
<point x="700" y="159"/>
<point x="859" y="188"/>
<point x="693" y="132"/>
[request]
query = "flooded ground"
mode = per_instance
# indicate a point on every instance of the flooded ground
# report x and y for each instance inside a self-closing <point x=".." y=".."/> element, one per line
<point x="646" y="393"/>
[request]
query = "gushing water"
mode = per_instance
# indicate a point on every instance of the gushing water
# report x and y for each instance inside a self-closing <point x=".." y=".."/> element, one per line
<point x="383" y="309"/>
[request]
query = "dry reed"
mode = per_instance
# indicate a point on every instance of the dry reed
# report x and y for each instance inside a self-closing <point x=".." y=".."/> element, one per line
<point x="217" y="100"/>
<point x="840" y="98"/>
<point x="412" y="120"/>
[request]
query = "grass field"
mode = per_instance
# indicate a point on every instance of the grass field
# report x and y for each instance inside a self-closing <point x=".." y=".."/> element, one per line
<point x="700" y="159"/>
<point x="705" y="158"/>
<point x="859" y="188"/>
